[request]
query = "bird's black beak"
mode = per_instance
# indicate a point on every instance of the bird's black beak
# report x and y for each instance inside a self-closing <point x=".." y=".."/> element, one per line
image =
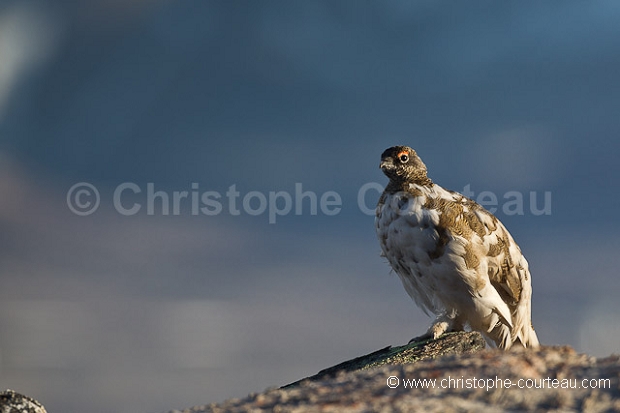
<point x="386" y="163"/>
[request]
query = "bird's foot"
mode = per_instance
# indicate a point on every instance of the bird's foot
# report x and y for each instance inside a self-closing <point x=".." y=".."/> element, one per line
<point x="439" y="328"/>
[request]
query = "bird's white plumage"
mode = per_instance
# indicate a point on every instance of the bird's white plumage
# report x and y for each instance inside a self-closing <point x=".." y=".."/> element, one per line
<point x="454" y="258"/>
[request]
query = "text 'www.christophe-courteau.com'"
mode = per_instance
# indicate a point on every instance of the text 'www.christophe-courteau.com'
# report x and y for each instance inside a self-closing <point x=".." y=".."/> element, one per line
<point x="490" y="384"/>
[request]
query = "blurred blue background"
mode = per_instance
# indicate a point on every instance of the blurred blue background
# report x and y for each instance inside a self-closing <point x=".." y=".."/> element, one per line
<point x="149" y="312"/>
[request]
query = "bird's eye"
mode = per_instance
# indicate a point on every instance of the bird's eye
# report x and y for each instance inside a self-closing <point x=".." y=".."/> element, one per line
<point x="403" y="157"/>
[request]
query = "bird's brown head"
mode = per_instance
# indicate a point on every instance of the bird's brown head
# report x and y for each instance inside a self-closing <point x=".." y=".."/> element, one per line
<point x="402" y="164"/>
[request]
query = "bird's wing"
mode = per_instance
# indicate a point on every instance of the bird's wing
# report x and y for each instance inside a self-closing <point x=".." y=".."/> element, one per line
<point x="508" y="273"/>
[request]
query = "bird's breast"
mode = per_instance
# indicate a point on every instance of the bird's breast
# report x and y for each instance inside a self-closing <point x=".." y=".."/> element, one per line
<point x="407" y="231"/>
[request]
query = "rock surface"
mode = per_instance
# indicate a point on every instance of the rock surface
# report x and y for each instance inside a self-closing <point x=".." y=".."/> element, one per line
<point x="452" y="343"/>
<point x="12" y="402"/>
<point x="546" y="379"/>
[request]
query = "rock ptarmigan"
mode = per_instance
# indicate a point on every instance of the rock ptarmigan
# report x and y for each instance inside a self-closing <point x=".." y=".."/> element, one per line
<point x="454" y="258"/>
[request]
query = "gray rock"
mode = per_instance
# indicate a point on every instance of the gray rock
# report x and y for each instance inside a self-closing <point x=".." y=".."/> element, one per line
<point x="451" y="343"/>
<point x="541" y="380"/>
<point x="12" y="402"/>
